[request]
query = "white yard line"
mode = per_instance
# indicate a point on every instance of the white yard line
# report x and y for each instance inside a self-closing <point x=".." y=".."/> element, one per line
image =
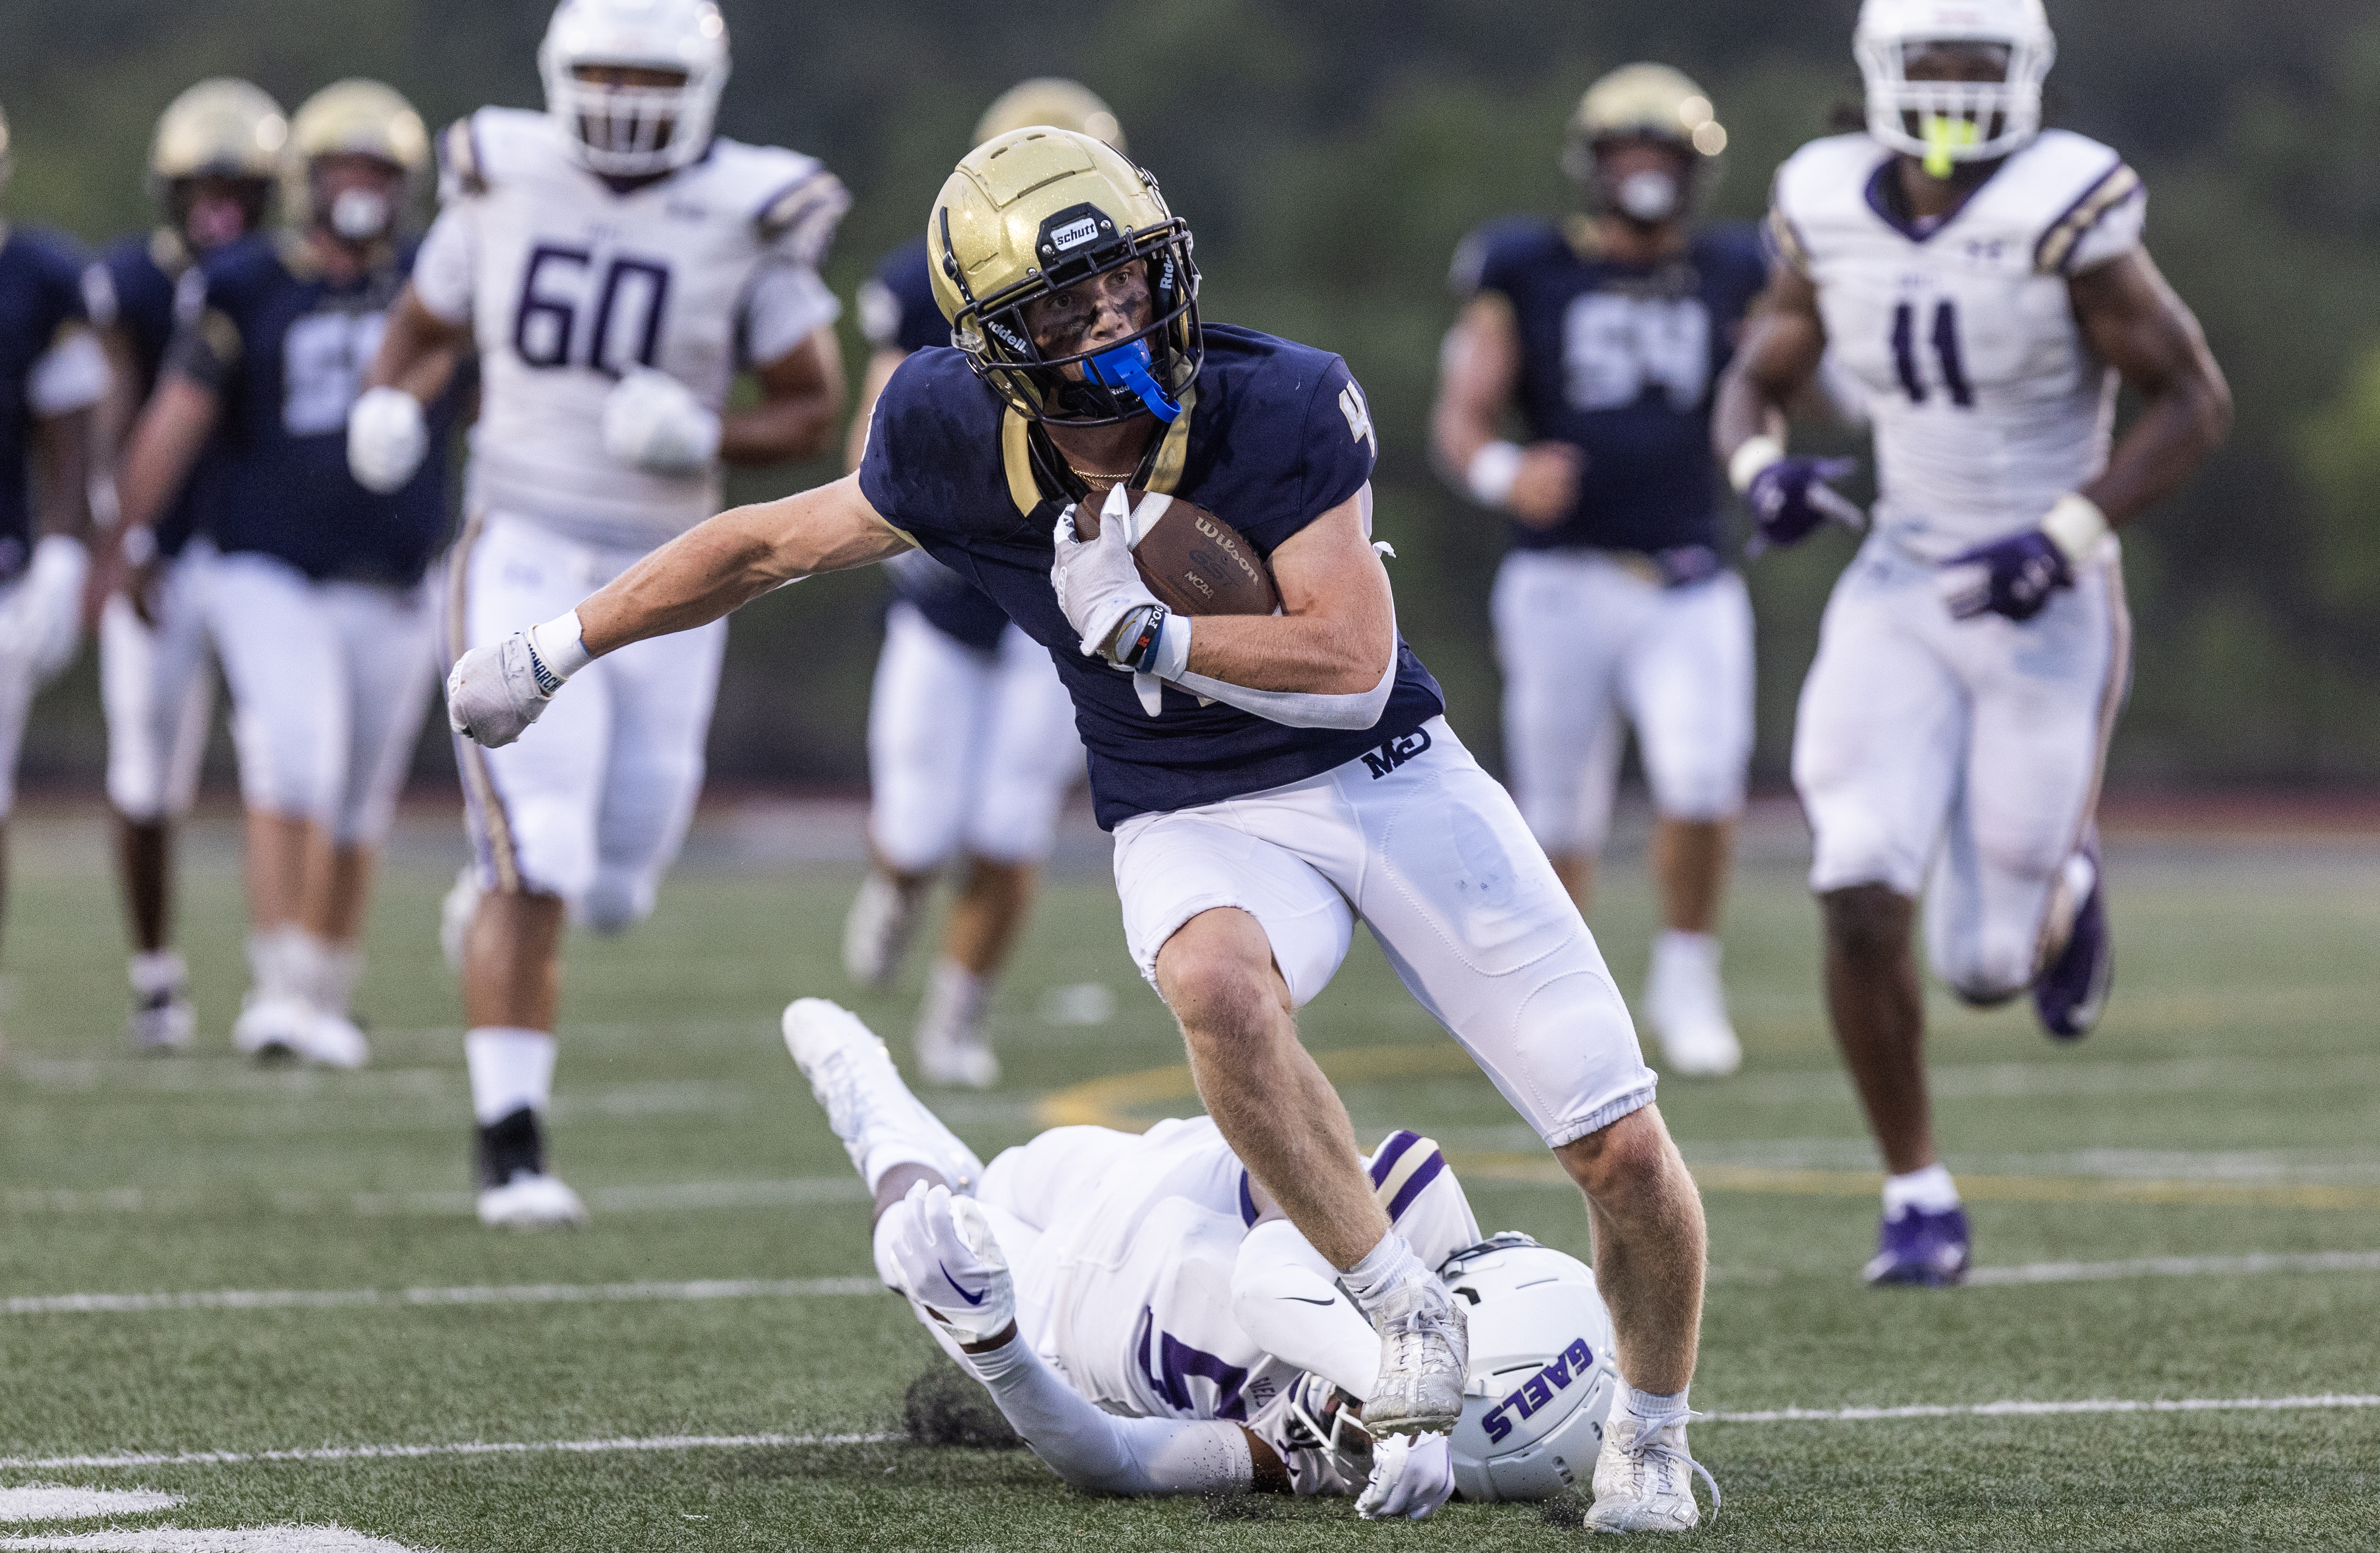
<point x="55" y="1501"/>
<point x="247" y="1539"/>
<point x="2180" y="1266"/>
<point x="409" y="1452"/>
<point x="668" y="1197"/>
<point x="497" y="1295"/>
<point x="2037" y="1409"/>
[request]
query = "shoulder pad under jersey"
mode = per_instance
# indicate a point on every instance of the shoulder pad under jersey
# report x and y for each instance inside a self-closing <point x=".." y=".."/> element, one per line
<point x="460" y="173"/>
<point x="1818" y="189"/>
<point x="795" y="203"/>
<point x="2078" y="201"/>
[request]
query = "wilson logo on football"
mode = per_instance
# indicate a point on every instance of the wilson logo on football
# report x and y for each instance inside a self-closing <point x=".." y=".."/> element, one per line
<point x="1229" y="544"/>
<point x="1537" y="1390"/>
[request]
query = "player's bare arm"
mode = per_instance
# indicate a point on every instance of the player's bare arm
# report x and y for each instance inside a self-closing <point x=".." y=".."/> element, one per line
<point x="801" y="399"/>
<point x="419" y="350"/>
<point x="2136" y="324"/>
<point x="1478" y="369"/>
<point x="180" y="417"/>
<point x="1777" y="367"/>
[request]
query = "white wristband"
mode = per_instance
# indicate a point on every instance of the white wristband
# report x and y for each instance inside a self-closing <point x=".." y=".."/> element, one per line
<point x="1492" y="471"/>
<point x="559" y="646"/>
<point x="1751" y="456"/>
<point x="1173" y="647"/>
<point x="2076" y="526"/>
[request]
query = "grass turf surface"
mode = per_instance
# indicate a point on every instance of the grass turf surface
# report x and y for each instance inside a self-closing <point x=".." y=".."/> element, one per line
<point x="2228" y="1108"/>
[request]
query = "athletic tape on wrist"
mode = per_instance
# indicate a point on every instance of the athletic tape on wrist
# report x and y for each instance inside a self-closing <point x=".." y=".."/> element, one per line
<point x="1492" y="471"/>
<point x="556" y="652"/>
<point x="1753" y="455"/>
<point x="2076" y="526"/>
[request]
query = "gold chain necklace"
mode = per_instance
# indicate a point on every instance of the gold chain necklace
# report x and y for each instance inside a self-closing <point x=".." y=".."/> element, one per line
<point x="1093" y="474"/>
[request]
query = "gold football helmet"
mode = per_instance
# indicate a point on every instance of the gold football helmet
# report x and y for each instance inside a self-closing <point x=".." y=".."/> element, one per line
<point x="1652" y="101"/>
<point x="355" y="118"/>
<point x="221" y="127"/>
<point x="1036" y="211"/>
<point x="1053" y="101"/>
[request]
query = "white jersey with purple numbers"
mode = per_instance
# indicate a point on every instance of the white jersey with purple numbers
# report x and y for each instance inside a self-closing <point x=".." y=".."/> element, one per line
<point x="568" y="282"/>
<point x="1136" y="1268"/>
<point x="1988" y="403"/>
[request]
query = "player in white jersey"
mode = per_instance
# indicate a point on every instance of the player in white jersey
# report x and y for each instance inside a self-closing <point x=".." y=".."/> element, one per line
<point x="1985" y="282"/>
<point x="1151" y="1323"/>
<point x="618" y="267"/>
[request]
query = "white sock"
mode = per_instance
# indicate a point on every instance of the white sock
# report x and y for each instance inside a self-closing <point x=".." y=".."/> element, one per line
<point x="338" y="967"/>
<point x="1652" y="1404"/>
<point x="1697" y="951"/>
<point x="954" y="1000"/>
<point x="158" y="970"/>
<point x="1384" y="1268"/>
<point x="1930" y="1189"/>
<point x="277" y="961"/>
<point x="510" y="1068"/>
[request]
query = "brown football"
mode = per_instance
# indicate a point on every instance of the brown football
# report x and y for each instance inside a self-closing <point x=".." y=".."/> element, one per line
<point x="1193" y="560"/>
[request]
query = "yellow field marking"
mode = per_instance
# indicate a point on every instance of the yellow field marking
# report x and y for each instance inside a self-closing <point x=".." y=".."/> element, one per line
<point x="1112" y="1101"/>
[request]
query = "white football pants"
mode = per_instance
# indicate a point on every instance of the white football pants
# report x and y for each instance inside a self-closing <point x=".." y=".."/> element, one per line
<point x="593" y="801"/>
<point x="1582" y="640"/>
<point x="156" y="690"/>
<point x="967" y="751"/>
<point x="1423" y="845"/>
<point x="1969" y="749"/>
<point x="328" y="681"/>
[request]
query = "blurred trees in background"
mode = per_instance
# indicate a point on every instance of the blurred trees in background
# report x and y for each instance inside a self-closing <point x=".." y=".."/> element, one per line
<point x="1331" y="153"/>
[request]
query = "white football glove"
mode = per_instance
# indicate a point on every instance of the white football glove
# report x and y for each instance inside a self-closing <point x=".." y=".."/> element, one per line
<point x="1412" y="1475"/>
<point x="655" y="422"/>
<point x="950" y="1262"/>
<point x="494" y="693"/>
<point x="387" y="439"/>
<point x="40" y="621"/>
<point x="1097" y="583"/>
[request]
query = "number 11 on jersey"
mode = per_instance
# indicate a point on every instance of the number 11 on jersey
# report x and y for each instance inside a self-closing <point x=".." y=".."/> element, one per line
<point x="1944" y="337"/>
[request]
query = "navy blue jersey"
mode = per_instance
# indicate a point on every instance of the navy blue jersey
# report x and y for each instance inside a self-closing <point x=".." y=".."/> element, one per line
<point x="897" y="311"/>
<point x="287" y="352"/>
<point x="1620" y="360"/>
<point x="1273" y="436"/>
<point x="132" y="290"/>
<point x="40" y="297"/>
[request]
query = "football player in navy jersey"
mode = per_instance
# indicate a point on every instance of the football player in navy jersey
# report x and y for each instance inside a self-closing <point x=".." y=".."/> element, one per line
<point x="1268" y="777"/>
<point x="971" y="745"/>
<point x="213" y="166"/>
<point x="52" y="373"/>
<point x="315" y="603"/>
<point x="1605" y="336"/>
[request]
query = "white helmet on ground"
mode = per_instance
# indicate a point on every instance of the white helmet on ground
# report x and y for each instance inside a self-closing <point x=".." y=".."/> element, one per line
<point x="1969" y="121"/>
<point x="635" y="131"/>
<point x="1542" y="1378"/>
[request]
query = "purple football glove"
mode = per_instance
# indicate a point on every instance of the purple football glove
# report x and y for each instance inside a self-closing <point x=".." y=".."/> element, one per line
<point x="1792" y="497"/>
<point x="2013" y="576"/>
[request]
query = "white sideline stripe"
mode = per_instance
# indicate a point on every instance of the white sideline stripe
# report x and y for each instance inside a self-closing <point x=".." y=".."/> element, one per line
<point x="461" y="1448"/>
<point x="55" y="1501"/>
<point x="2180" y="1266"/>
<point x="173" y="1540"/>
<point x="2037" y="1409"/>
<point x="500" y="1294"/>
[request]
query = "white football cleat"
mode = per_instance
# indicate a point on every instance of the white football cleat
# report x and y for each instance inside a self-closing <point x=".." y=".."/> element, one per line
<point x="1644" y="1478"/>
<point x="274" y="1026"/>
<point x="332" y="1041"/>
<point x="455" y="915"/>
<point x="866" y="1105"/>
<point x="531" y="1202"/>
<point x="1687" y="1007"/>
<point x="875" y="931"/>
<point x="1425" y="1355"/>
<point x="162" y="1022"/>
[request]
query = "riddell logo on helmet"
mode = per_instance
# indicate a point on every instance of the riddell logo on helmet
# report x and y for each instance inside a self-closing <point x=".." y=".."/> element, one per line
<point x="1074" y="234"/>
<point x="1570" y="1364"/>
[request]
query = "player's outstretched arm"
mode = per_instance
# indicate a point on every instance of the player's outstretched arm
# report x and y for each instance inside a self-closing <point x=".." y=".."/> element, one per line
<point x="1478" y="369"/>
<point x="496" y="691"/>
<point x="2136" y="324"/>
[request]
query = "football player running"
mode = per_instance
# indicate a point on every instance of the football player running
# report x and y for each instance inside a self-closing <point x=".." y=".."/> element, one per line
<point x="213" y="167"/>
<point x="1268" y="777"/>
<point x="1985" y="282"/>
<point x="1606" y="336"/>
<point x="617" y="266"/>
<point x="314" y="599"/>
<point x="1150" y="1324"/>
<point x="53" y="375"/>
<point x="971" y="745"/>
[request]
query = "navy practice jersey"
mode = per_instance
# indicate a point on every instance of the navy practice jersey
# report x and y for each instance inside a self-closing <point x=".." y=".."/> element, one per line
<point x="287" y="352"/>
<point x="1620" y="360"/>
<point x="1272" y="436"/>
<point x="897" y="311"/>
<point x="132" y="290"/>
<point x="41" y="297"/>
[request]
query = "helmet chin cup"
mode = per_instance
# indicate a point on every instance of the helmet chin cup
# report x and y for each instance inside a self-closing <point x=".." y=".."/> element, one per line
<point x="1649" y="197"/>
<point x="1127" y="367"/>
<point x="359" y="215"/>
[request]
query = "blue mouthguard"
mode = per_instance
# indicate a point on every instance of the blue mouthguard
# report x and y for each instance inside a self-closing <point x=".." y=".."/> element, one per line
<point x="1127" y="367"/>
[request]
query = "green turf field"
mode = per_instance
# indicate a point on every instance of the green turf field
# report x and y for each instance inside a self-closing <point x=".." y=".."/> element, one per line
<point x="2229" y="1111"/>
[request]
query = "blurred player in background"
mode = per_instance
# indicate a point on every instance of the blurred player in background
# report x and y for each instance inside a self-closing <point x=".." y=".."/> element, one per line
<point x="619" y="268"/>
<point x="1985" y="282"/>
<point x="215" y="166"/>
<point x="53" y="375"/>
<point x="971" y="744"/>
<point x="1606" y="336"/>
<point x="1272" y="774"/>
<point x="314" y="601"/>
<point x="1151" y="1323"/>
